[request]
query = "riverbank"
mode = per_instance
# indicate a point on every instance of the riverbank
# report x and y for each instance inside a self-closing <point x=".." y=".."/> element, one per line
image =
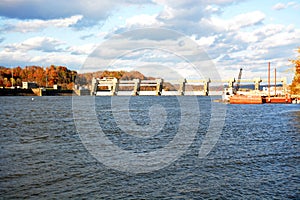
<point x="34" y="92"/>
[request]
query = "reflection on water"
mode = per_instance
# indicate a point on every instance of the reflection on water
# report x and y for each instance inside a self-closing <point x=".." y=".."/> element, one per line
<point x="256" y="157"/>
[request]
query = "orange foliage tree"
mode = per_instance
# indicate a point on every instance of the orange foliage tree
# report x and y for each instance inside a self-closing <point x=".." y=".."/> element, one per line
<point x="295" y="86"/>
<point x="43" y="77"/>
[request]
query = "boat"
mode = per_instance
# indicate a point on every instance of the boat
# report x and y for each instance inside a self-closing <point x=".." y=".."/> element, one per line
<point x="278" y="99"/>
<point x="245" y="99"/>
<point x="227" y="93"/>
<point x="236" y="96"/>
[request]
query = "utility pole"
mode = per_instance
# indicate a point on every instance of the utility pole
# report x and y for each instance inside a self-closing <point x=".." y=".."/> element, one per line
<point x="269" y="87"/>
<point x="46" y="77"/>
<point x="12" y="77"/>
<point x="275" y="81"/>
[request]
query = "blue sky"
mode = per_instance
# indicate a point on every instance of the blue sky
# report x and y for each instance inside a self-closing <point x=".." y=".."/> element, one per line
<point x="234" y="34"/>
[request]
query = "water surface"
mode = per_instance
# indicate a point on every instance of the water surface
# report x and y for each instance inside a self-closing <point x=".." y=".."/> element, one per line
<point x="42" y="156"/>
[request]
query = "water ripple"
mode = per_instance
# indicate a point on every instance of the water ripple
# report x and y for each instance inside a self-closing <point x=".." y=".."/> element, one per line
<point x="42" y="157"/>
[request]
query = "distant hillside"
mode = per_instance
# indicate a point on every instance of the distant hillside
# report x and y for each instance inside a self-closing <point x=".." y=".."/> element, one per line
<point x="86" y="78"/>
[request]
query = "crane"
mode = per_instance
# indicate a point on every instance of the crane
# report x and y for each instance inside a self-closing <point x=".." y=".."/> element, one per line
<point x="238" y="81"/>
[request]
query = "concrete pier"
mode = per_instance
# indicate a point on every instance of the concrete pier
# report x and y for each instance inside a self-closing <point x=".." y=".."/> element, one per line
<point x="137" y="85"/>
<point x="257" y="82"/>
<point x="159" y="86"/>
<point x="181" y="90"/>
<point x="115" y="86"/>
<point x="206" y="87"/>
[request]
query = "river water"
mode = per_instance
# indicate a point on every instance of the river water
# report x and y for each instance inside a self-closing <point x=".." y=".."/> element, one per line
<point x="42" y="155"/>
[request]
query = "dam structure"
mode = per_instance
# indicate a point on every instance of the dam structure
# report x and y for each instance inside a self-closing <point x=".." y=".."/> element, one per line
<point x="109" y="86"/>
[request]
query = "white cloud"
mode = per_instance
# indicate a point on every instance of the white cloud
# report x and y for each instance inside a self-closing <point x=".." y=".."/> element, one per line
<point x="141" y="47"/>
<point x="282" y="39"/>
<point x="248" y="37"/>
<point x="236" y="23"/>
<point x="64" y="59"/>
<point x="221" y="2"/>
<point x="253" y="48"/>
<point x="281" y="6"/>
<point x="44" y="44"/>
<point x="212" y="9"/>
<point x="246" y="19"/>
<point x="22" y="57"/>
<point x="10" y="58"/>
<point x="262" y="33"/>
<point x="167" y="13"/>
<point x="37" y="24"/>
<point x="94" y="11"/>
<point x="81" y="49"/>
<point x="270" y="29"/>
<point x="204" y="41"/>
<point x="45" y="50"/>
<point x="143" y="20"/>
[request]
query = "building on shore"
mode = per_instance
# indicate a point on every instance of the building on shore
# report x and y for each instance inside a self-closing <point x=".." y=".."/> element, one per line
<point x="29" y="85"/>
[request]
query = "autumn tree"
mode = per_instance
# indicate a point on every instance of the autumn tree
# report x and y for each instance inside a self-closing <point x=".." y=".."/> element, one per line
<point x="2" y="76"/>
<point x="7" y="77"/>
<point x="295" y="86"/>
<point x="52" y="76"/>
<point x="39" y="76"/>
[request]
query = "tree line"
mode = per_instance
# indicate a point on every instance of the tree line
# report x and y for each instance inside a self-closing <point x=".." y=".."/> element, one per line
<point x="60" y="75"/>
<point x="43" y="77"/>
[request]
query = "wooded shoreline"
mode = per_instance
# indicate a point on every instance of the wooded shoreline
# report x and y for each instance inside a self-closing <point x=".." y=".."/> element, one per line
<point x="34" y="92"/>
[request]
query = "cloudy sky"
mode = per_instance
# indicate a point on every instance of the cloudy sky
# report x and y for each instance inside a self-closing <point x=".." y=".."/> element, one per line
<point x="233" y="33"/>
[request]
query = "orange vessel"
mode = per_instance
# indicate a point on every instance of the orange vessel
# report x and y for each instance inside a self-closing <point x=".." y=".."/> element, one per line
<point x="258" y="99"/>
<point x="283" y="99"/>
<point x="246" y="99"/>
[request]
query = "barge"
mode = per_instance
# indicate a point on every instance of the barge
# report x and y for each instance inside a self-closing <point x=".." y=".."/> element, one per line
<point x="276" y="99"/>
<point x="246" y="99"/>
<point x="235" y="96"/>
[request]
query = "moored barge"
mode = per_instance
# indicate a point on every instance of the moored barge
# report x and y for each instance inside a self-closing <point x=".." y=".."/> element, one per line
<point x="246" y="99"/>
<point x="277" y="99"/>
<point x="257" y="97"/>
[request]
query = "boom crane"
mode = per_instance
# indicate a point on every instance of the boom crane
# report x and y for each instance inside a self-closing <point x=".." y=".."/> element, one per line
<point x="238" y="81"/>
